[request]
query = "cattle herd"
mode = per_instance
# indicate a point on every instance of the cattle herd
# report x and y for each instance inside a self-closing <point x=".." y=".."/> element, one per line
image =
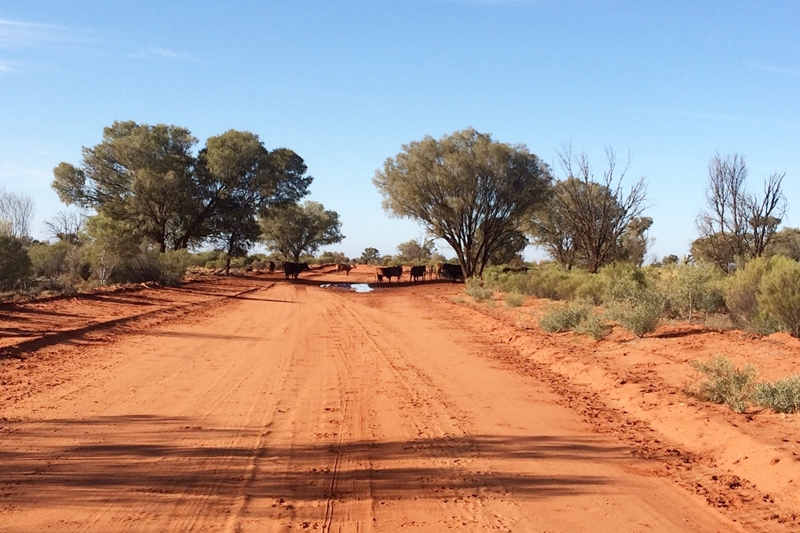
<point x="416" y="273"/>
<point x="440" y="271"/>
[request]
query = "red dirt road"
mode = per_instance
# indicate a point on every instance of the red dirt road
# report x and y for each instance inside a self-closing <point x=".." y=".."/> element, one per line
<point x="256" y="404"/>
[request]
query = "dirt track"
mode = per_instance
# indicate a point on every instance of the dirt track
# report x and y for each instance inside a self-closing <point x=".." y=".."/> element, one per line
<point x="255" y="404"/>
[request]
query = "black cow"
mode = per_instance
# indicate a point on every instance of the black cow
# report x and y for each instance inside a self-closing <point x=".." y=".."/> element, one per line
<point x="271" y="267"/>
<point x="454" y="272"/>
<point x="293" y="269"/>
<point x="343" y="267"/>
<point x="506" y="270"/>
<point x="390" y="272"/>
<point x="417" y="272"/>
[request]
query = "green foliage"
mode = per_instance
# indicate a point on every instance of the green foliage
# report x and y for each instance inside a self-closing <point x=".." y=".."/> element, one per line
<point x="565" y="317"/>
<point x="742" y="292"/>
<point x="299" y="229"/>
<point x="782" y="396"/>
<point x="467" y="189"/>
<point x="725" y="383"/>
<point x="640" y="312"/>
<point x="593" y="325"/>
<point x="147" y="178"/>
<point x="478" y="290"/>
<point x="47" y="260"/>
<point x="15" y="265"/>
<point x="690" y="288"/>
<point x="370" y="256"/>
<point x="588" y="223"/>
<point x="514" y="300"/>
<point x="779" y="295"/>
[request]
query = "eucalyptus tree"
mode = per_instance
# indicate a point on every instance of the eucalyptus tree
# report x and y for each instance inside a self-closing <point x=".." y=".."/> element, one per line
<point x="247" y="181"/>
<point x="590" y="221"/>
<point x="467" y="189"/>
<point x="139" y="174"/>
<point x="737" y="225"/>
<point x="294" y="230"/>
<point x="147" y="179"/>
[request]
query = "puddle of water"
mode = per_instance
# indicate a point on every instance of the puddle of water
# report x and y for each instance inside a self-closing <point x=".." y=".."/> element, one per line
<point x="357" y="287"/>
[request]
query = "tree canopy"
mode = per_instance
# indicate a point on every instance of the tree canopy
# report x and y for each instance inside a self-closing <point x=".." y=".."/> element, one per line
<point x="465" y="188"/>
<point x="591" y="222"/>
<point x="147" y="176"/>
<point x="294" y="230"/>
<point x="737" y="225"/>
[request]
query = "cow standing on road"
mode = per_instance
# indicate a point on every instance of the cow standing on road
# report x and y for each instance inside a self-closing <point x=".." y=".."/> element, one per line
<point x="293" y="269"/>
<point x="453" y="272"/>
<point x="390" y="272"/>
<point x="343" y="267"/>
<point x="417" y="272"/>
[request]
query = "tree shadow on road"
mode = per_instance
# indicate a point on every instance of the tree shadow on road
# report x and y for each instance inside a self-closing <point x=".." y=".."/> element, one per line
<point x="127" y="458"/>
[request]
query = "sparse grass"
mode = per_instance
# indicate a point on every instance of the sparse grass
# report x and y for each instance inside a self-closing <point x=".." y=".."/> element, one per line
<point x="565" y="317"/>
<point x="514" y="300"/>
<point x="726" y="383"/>
<point x="782" y="396"/>
<point x="594" y="325"/>
<point x="477" y="290"/>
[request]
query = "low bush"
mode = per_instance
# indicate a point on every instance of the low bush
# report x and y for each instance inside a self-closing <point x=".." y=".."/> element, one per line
<point x="476" y="289"/>
<point x="782" y="396"/>
<point x="641" y="312"/>
<point x="593" y="325"/>
<point x="725" y="383"/>
<point x="565" y="317"/>
<point x="778" y="297"/>
<point x="514" y="300"/>
<point x="15" y="265"/>
<point x="742" y="291"/>
<point x="689" y="289"/>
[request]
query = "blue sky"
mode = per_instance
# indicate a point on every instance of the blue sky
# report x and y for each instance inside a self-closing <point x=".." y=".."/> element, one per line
<point x="345" y="84"/>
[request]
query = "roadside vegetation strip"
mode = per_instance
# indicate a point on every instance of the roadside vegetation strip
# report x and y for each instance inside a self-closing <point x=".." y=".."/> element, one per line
<point x="27" y="347"/>
<point x="739" y="389"/>
<point x="630" y="402"/>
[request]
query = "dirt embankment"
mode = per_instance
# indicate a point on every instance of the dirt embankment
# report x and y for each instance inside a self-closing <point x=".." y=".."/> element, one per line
<point x="256" y="404"/>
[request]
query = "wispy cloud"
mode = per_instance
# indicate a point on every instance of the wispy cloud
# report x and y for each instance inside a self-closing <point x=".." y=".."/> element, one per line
<point x="153" y="52"/>
<point x="774" y="69"/>
<point x="14" y="34"/>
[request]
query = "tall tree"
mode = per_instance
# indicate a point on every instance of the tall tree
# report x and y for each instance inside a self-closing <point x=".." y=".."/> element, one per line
<point x="16" y="215"/>
<point x="416" y="250"/>
<point x="586" y="220"/>
<point x="297" y="229"/>
<point x="370" y="256"/>
<point x="737" y="225"/>
<point x="465" y="188"/>
<point x="66" y="226"/>
<point x="146" y="177"/>
<point x="138" y="174"/>
<point x="247" y="181"/>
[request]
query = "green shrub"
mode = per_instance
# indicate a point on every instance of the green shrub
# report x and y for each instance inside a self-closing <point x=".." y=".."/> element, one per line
<point x="782" y="396"/>
<point x="476" y="289"/>
<point x="725" y="383"/>
<point x="688" y="289"/>
<point x="565" y="317"/>
<point x="47" y="260"/>
<point x="621" y="281"/>
<point x="594" y="325"/>
<point x="514" y="300"/>
<point x="641" y="312"/>
<point x="778" y="297"/>
<point x="15" y="265"/>
<point x="741" y="297"/>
